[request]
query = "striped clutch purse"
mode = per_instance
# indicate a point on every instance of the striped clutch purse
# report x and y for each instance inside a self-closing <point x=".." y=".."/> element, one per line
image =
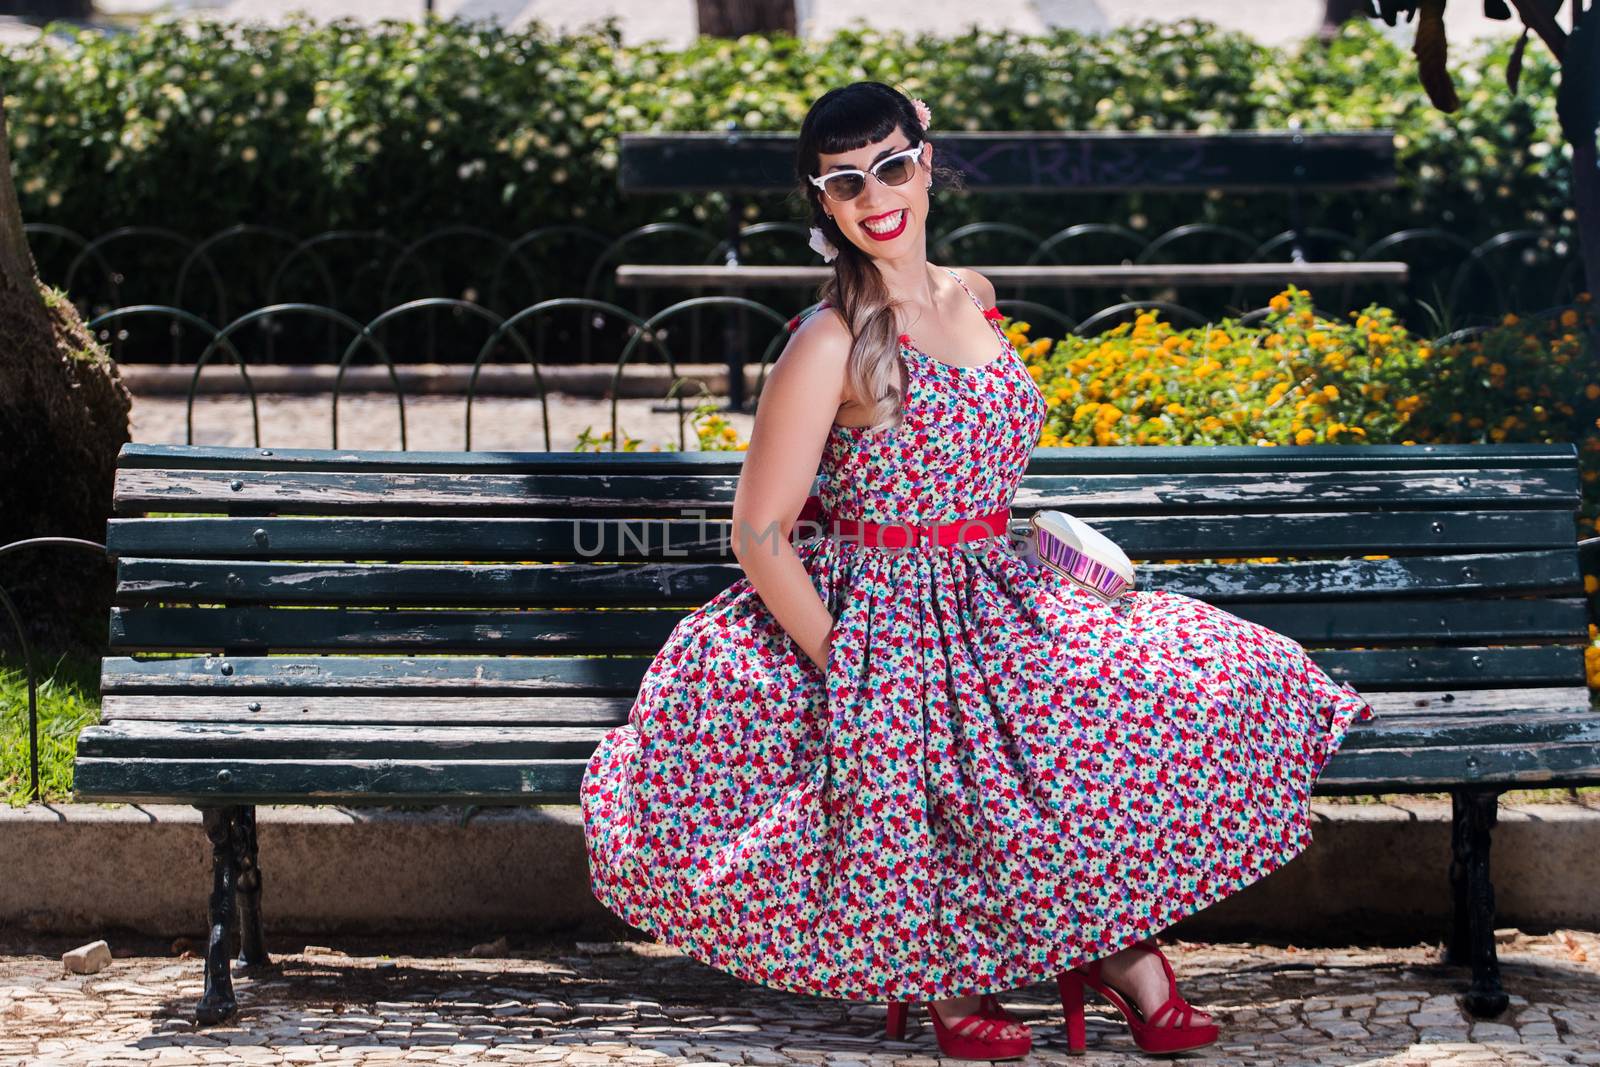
<point x="1078" y="552"/>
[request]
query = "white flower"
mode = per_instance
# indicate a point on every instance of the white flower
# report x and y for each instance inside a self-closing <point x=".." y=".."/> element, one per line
<point x="822" y="246"/>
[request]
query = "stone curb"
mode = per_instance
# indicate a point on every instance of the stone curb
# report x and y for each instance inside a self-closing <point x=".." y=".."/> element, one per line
<point x="1373" y="870"/>
<point x="580" y="379"/>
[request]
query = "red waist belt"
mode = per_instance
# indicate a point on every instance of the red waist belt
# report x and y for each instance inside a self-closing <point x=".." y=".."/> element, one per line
<point x="905" y="534"/>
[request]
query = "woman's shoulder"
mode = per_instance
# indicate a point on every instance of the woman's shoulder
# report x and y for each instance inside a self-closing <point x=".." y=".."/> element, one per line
<point x="980" y="287"/>
<point x="824" y="315"/>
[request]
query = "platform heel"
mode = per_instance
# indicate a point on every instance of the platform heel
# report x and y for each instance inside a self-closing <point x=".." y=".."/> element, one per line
<point x="974" y="1037"/>
<point x="1170" y="1028"/>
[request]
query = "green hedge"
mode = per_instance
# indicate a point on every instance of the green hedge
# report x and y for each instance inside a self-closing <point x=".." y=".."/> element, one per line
<point x="198" y="125"/>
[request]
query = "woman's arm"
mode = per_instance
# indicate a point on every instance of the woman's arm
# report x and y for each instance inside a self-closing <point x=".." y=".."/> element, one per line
<point x="797" y="409"/>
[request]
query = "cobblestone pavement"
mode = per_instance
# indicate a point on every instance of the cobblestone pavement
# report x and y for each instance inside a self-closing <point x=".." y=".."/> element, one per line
<point x="631" y="1002"/>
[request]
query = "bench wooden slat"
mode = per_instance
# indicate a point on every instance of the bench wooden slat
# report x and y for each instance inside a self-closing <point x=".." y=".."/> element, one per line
<point x="281" y="741"/>
<point x="252" y="781"/>
<point x="429" y="781"/>
<point x="1308" y="273"/>
<point x="1519" y="728"/>
<point x="599" y="540"/>
<point x="1417" y="669"/>
<point x="345" y="493"/>
<point x="150" y="581"/>
<point x="628" y="630"/>
<point x="411" y="709"/>
<point x="1401" y="770"/>
<point x="1466" y="668"/>
<point x="1393" y="706"/>
<point x="1074" y="461"/>
<point x="404" y="709"/>
<point x="376" y="675"/>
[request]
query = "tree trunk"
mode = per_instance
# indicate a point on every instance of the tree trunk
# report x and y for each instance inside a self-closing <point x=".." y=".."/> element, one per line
<point x="730" y="18"/>
<point x="1586" y="201"/>
<point x="1336" y="13"/>
<point x="1585" y="175"/>
<point x="63" y="418"/>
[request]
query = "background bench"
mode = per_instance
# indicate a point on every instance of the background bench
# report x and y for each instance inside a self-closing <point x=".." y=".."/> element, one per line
<point x="314" y="666"/>
<point x="742" y="164"/>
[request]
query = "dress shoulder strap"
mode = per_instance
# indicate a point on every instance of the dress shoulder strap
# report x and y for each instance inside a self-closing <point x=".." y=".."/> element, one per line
<point x="794" y="324"/>
<point x="963" y="285"/>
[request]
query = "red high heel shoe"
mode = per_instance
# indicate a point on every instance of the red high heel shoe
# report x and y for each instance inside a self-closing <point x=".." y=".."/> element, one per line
<point x="974" y="1037"/>
<point x="1179" y="1034"/>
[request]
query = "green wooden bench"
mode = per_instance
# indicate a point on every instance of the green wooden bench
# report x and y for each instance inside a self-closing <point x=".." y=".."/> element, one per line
<point x="462" y="627"/>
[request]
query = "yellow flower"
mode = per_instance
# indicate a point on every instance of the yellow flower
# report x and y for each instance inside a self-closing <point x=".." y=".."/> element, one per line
<point x="1569" y="318"/>
<point x="1590" y="584"/>
<point x="1331" y="392"/>
<point x="1305" y="437"/>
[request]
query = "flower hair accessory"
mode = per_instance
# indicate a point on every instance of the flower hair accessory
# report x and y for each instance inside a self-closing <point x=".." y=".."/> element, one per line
<point x="822" y="246"/>
<point x="924" y="116"/>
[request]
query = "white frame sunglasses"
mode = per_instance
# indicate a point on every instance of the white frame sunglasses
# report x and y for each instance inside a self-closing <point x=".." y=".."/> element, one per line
<point x="822" y="182"/>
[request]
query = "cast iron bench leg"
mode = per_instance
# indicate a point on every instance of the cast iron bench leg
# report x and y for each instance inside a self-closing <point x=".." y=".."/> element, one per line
<point x="217" y="1003"/>
<point x="1472" y="929"/>
<point x="252" y="947"/>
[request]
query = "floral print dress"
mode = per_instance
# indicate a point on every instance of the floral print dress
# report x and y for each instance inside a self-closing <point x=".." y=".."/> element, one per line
<point x="997" y="777"/>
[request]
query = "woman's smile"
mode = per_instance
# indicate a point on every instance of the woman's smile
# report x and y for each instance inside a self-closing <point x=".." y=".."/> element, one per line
<point x="886" y="227"/>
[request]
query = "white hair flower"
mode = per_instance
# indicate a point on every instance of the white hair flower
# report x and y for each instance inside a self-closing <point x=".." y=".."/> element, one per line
<point x="924" y="116"/>
<point x="822" y="246"/>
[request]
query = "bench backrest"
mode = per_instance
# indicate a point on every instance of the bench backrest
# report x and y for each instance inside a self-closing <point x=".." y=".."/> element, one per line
<point x="1039" y="161"/>
<point x="540" y="584"/>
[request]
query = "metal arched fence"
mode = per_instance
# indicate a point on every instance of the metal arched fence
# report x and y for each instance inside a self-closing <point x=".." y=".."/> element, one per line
<point x="650" y="332"/>
<point x="15" y="618"/>
<point x="1454" y="281"/>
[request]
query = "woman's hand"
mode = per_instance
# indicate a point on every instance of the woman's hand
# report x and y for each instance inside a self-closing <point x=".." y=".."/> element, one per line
<point x="821" y="658"/>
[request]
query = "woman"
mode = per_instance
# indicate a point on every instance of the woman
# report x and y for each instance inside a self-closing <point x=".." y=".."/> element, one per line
<point x="896" y="762"/>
